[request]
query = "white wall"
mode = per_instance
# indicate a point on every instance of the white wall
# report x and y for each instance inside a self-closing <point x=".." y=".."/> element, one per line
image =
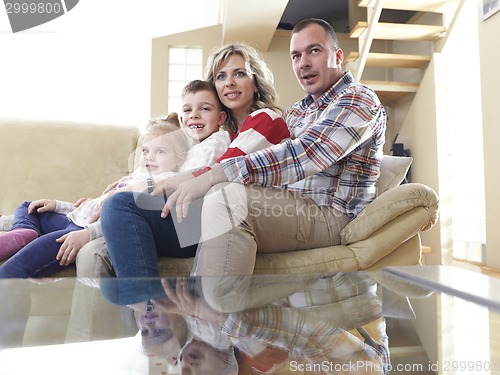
<point x="93" y="63"/>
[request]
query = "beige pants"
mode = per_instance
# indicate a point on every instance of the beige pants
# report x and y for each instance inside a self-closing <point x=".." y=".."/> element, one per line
<point x="239" y="220"/>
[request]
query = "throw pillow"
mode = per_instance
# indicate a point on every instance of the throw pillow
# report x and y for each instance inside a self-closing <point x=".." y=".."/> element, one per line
<point x="393" y="170"/>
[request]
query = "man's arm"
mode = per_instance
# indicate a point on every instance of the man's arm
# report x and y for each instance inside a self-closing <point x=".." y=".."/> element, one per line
<point x="347" y="124"/>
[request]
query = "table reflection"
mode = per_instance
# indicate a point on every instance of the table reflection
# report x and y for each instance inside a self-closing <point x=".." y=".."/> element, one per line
<point x="235" y="325"/>
<point x="328" y="323"/>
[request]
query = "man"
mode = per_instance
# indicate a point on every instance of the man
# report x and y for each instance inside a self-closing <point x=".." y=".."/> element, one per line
<point x="326" y="172"/>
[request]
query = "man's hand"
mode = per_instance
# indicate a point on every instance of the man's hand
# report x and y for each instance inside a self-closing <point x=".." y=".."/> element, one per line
<point x="190" y="190"/>
<point x="42" y="205"/>
<point x="183" y="301"/>
<point x="71" y="245"/>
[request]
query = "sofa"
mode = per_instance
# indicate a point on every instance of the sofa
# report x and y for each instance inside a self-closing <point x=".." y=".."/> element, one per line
<point x="69" y="160"/>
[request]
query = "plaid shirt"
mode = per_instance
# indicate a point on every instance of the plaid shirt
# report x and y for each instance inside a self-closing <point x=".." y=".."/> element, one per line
<point x="320" y="327"/>
<point x="335" y="150"/>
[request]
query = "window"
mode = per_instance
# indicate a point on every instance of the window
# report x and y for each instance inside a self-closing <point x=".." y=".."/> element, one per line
<point x="185" y="64"/>
<point x="465" y="164"/>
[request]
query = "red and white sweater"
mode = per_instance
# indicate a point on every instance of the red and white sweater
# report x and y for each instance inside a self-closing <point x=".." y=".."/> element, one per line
<point x="261" y="129"/>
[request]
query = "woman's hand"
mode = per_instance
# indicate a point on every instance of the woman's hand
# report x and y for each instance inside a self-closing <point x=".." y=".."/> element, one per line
<point x="71" y="245"/>
<point x="42" y="205"/>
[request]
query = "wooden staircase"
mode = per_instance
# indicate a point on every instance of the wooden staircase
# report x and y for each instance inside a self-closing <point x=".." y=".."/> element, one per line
<point x="439" y="16"/>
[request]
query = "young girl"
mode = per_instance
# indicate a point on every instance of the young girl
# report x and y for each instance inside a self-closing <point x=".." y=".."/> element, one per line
<point x="45" y="229"/>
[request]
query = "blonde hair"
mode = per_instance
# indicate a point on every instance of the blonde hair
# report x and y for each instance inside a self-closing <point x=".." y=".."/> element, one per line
<point x="266" y="95"/>
<point x="172" y="119"/>
<point x="170" y="125"/>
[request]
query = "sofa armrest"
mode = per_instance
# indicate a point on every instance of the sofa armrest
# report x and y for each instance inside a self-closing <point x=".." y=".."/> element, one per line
<point x="390" y="205"/>
<point x="389" y="221"/>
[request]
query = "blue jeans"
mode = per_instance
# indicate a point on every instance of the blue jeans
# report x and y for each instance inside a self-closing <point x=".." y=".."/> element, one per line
<point x="136" y="236"/>
<point x="38" y="258"/>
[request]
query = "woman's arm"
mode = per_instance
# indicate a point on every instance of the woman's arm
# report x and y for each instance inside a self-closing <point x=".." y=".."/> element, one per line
<point x="261" y="129"/>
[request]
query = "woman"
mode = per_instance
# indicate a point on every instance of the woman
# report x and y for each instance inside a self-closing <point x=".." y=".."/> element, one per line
<point x="134" y="231"/>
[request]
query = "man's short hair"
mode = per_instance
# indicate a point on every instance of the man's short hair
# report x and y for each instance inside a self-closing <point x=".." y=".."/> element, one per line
<point x="330" y="32"/>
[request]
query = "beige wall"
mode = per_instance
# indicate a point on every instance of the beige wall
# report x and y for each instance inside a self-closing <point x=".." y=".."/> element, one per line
<point x="490" y="83"/>
<point x="277" y="56"/>
<point x="207" y="38"/>
<point x="419" y="134"/>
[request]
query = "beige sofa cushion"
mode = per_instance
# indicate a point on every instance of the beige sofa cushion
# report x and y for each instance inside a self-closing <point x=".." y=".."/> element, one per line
<point x="60" y="159"/>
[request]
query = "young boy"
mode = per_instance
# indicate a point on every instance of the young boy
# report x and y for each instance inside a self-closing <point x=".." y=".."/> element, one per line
<point x="201" y="118"/>
<point x="60" y="227"/>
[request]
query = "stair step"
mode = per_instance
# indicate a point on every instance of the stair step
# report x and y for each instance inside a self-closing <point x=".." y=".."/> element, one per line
<point x="407" y="351"/>
<point x="392" y="86"/>
<point x="389" y="91"/>
<point x="435" y="6"/>
<point x="400" y="31"/>
<point x="392" y="60"/>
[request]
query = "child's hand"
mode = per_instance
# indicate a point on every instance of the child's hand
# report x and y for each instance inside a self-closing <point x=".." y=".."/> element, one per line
<point x="110" y="187"/>
<point x="71" y="245"/>
<point x="80" y="201"/>
<point x="97" y="214"/>
<point x="42" y="205"/>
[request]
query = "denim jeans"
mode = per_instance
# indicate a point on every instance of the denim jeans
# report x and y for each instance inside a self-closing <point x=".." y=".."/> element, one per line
<point x="136" y="236"/>
<point x="38" y="258"/>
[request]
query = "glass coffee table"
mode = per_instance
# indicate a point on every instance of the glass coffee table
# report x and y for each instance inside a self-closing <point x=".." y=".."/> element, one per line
<point x="398" y="321"/>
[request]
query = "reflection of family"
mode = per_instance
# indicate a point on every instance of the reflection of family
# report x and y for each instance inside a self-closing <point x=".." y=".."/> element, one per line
<point x="335" y="320"/>
<point x="318" y="171"/>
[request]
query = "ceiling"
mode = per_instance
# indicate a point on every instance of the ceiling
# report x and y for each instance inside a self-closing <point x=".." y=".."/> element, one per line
<point x="256" y="21"/>
<point x="329" y="10"/>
